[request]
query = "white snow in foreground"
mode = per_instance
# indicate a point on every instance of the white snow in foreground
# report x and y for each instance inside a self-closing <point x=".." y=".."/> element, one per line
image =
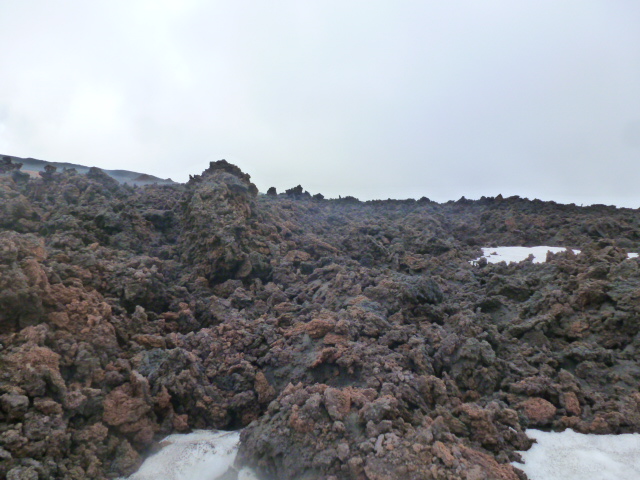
<point x="209" y="455"/>
<point x="201" y="455"/>
<point x="517" y="254"/>
<point x="575" y="456"/>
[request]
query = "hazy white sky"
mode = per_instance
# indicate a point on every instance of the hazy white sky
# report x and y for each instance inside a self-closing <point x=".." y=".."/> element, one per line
<point x="374" y="99"/>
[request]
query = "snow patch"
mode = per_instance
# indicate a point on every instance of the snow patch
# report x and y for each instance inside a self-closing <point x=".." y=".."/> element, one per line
<point x="570" y="455"/>
<point x="201" y="455"/>
<point x="517" y="254"/>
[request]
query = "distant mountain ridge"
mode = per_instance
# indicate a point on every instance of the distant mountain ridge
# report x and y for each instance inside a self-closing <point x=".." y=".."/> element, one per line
<point x="121" y="176"/>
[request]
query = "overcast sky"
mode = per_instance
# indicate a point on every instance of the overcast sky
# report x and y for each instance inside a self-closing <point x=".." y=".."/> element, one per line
<point x="374" y="99"/>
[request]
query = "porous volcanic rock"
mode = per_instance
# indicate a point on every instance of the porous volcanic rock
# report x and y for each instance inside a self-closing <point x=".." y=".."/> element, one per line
<point x="349" y="339"/>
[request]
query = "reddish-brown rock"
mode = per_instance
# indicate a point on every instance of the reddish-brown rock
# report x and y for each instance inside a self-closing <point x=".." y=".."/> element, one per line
<point x="121" y="408"/>
<point x="571" y="404"/>
<point x="538" y="411"/>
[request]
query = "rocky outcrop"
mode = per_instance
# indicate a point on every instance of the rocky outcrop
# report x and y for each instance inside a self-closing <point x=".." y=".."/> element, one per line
<point x="350" y="339"/>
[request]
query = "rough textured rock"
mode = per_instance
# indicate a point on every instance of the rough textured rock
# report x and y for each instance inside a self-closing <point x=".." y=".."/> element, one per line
<point x="350" y="339"/>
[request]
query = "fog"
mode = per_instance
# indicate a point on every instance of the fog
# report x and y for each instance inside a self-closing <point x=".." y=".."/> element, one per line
<point x="370" y="99"/>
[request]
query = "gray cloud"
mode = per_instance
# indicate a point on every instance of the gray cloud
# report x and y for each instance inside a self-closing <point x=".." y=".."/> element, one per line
<point x="369" y="99"/>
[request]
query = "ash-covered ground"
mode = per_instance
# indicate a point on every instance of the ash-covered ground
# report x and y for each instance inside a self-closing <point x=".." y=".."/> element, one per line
<point x="347" y="339"/>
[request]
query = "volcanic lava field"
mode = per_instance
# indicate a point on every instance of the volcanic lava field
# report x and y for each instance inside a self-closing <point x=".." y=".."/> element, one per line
<point x="340" y="339"/>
